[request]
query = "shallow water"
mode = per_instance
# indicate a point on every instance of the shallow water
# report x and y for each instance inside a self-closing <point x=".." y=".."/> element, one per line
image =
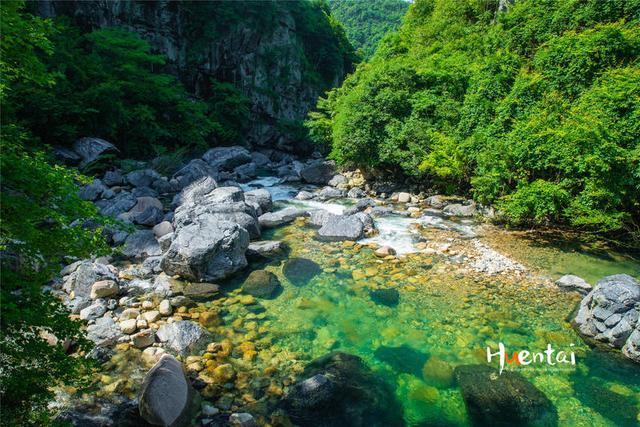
<point x="450" y="317"/>
<point x="446" y="317"/>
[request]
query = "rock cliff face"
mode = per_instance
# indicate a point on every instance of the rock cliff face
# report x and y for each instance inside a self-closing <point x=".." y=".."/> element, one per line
<point x="254" y="45"/>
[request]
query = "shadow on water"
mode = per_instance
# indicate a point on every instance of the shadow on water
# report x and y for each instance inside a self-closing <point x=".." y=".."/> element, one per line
<point x="605" y="386"/>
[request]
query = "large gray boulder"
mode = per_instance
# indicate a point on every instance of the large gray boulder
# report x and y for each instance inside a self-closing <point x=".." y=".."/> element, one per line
<point x="121" y="203"/>
<point x="89" y="149"/>
<point x="83" y="275"/>
<point x="104" y="332"/>
<point x="284" y="216"/>
<point x="147" y="211"/>
<point x="112" y="178"/>
<point x="140" y="245"/>
<point x="166" y="397"/>
<point x="320" y="217"/>
<point x="221" y="200"/>
<point x="92" y="191"/>
<point x="193" y="171"/>
<point x="227" y="158"/>
<point x="142" y="178"/>
<point x="261" y="197"/>
<point x="195" y="191"/>
<point x="318" y="172"/>
<point x="183" y="336"/>
<point x="340" y="227"/>
<point x="331" y="193"/>
<point x="609" y="313"/>
<point x="207" y="249"/>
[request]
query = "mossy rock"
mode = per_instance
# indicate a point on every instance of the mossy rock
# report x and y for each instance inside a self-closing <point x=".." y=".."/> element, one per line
<point x="299" y="271"/>
<point x="261" y="284"/>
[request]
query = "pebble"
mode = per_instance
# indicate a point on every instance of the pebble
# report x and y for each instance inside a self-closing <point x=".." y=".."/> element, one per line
<point x="151" y="316"/>
<point x="165" y="307"/>
<point x="128" y="326"/>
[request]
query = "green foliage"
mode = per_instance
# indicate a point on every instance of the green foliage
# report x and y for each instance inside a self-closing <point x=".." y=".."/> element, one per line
<point x="39" y="216"/>
<point x="535" y="110"/>
<point x="105" y="86"/>
<point x="367" y="22"/>
<point x="328" y="53"/>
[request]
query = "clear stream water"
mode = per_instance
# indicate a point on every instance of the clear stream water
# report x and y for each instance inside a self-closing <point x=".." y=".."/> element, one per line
<point x="446" y="317"/>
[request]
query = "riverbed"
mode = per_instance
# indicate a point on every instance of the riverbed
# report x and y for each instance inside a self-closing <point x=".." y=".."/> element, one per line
<point x="451" y="308"/>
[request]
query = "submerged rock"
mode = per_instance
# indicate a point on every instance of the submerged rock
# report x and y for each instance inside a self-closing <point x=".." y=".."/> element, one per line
<point x="340" y="390"/>
<point x="242" y="419"/>
<point x="404" y="359"/>
<point x="199" y="291"/>
<point x="261" y="284"/>
<point x="166" y="397"/>
<point x="388" y="297"/>
<point x="506" y="399"/>
<point x="609" y="312"/>
<point x="299" y="271"/>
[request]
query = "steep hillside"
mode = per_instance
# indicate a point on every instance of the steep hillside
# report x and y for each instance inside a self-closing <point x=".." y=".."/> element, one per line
<point x="366" y="22"/>
<point x="532" y="106"/>
<point x="281" y="55"/>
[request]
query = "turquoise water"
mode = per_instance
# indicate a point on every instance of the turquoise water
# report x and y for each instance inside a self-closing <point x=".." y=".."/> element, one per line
<point x="444" y="319"/>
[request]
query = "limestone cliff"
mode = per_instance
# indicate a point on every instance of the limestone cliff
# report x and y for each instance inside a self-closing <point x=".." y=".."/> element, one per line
<point x="259" y="46"/>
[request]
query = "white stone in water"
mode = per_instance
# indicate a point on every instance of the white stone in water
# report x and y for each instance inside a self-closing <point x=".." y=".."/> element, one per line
<point x="147" y="305"/>
<point x="165" y="307"/>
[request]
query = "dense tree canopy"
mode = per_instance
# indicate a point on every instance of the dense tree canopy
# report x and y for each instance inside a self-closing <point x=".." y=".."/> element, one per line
<point x="39" y="203"/>
<point x="367" y="22"/>
<point x="535" y="109"/>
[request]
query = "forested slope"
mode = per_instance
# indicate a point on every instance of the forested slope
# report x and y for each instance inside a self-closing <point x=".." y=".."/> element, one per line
<point x="535" y="109"/>
<point x="367" y="22"/>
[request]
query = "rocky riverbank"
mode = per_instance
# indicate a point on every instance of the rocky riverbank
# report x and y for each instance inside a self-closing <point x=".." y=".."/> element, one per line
<point x="174" y="345"/>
